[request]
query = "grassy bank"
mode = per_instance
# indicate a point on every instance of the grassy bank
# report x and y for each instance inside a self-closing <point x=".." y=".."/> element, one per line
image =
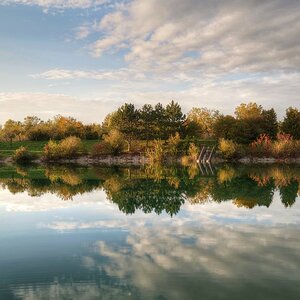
<point x="35" y="147"/>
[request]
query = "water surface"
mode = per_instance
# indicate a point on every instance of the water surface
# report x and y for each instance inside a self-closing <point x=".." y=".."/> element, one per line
<point x="226" y="232"/>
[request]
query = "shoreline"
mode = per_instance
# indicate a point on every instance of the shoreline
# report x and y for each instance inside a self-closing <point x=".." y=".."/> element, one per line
<point x="139" y="160"/>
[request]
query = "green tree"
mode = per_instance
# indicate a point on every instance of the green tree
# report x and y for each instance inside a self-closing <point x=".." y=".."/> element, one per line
<point x="126" y="121"/>
<point x="291" y="122"/>
<point x="205" y="118"/>
<point x="225" y="127"/>
<point x="159" y="122"/>
<point x="269" y="123"/>
<point x="252" y="121"/>
<point x="92" y="131"/>
<point x="147" y="122"/>
<point x="174" y="118"/>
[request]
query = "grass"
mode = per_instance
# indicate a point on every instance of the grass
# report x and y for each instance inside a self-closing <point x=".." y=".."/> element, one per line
<point x="35" y="147"/>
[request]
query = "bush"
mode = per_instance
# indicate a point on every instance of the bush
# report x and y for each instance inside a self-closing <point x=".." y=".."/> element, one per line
<point x="228" y="148"/>
<point x="262" y="147"/>
<point x="285" y="147"/>
<point x="100" y="148"/>
<point x="172" y="145"/>
<point x="157" y="153"/>
<point x="193" y="152"/>
<point x="22" y="156"/>
<point x="70" y="147"/>
<point x="192" y="156"/>
<point x="113" y="143"/>
<point x="52" y="150"/>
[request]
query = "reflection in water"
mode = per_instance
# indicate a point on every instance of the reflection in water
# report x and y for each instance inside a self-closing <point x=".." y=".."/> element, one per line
<point x="106" y="233"/>
<point x="157" y="189"/>
<point x="182" y="262"/>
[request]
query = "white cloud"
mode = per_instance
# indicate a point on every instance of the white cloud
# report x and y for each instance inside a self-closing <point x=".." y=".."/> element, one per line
<point x="60" y="4"/>
<point x="199" y="53"/>
<point x="82" y="31"/>
<point x="62" y="74"/>
<point x="215" y="36"/>
<point x="23" y="202"/>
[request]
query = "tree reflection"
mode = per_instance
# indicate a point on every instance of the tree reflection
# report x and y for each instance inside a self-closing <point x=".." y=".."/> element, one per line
<point x="289" y="193"/>
<point x="160" y="189"/>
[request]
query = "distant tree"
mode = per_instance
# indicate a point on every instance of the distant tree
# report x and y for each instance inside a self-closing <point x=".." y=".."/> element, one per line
<point x="291" y="122"/>
<point x="41" y="132"/>
<point x="248" y="111"/>
<point x="67" y="126"/>
<point x="225" y="127"/>
<point x="126" y="121"/>
<point x="174" y="118"/>
<point x="147" y="122"/>
<point x="160" y="131"/>
<point x="205" y="119"/>
<point x="192" y="129"/>
<point x="92" y="131"/>
<point x="12" y="130"/>
<point x="36" y="129"/>
<point x="269" y="123"/>
<point x="31" y="122"/>
<point x="252" y="121"/>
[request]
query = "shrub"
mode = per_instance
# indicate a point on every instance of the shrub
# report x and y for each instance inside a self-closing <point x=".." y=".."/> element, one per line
<point x="52" y="150"/>
<point x="114" y="141"/>
<point x="100" y="148"/>
<point x="192" y="156"/>
<point x="172" y="144"/>
<point x="193" y="151"/>
<point x="285" y="147"/>
<point x="22" y="156"/>
<point x="228" y="148"/>
<point x="157" y="153"/>
<point x="69" y="147"/>
<point x="262" y="147"/>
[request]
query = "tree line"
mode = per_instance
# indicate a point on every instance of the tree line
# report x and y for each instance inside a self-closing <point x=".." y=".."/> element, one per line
<point x="160" y="122"/>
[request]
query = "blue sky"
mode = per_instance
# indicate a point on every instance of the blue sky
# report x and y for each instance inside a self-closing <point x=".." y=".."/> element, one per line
<point x="86" y="57"/>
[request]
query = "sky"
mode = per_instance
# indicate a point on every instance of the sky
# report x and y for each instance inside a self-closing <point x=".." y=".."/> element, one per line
<point x="85" y="58"/>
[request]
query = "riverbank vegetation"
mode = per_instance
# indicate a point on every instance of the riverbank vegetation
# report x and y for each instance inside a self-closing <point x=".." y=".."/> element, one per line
<point x="160" y="133"/>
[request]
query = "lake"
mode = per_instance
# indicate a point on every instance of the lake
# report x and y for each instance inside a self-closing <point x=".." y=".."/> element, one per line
<point x="203" y="232"/>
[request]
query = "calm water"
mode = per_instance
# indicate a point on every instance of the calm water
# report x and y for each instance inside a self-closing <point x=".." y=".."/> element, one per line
<point x="229" y="232"/>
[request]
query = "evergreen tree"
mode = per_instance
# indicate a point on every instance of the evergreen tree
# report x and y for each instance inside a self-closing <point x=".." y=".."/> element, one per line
<point x="291" y="122"/>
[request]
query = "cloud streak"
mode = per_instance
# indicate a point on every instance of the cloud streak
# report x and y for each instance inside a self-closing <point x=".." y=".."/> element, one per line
<point x="59" y="4"/>
<point x="63" y="74"/>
